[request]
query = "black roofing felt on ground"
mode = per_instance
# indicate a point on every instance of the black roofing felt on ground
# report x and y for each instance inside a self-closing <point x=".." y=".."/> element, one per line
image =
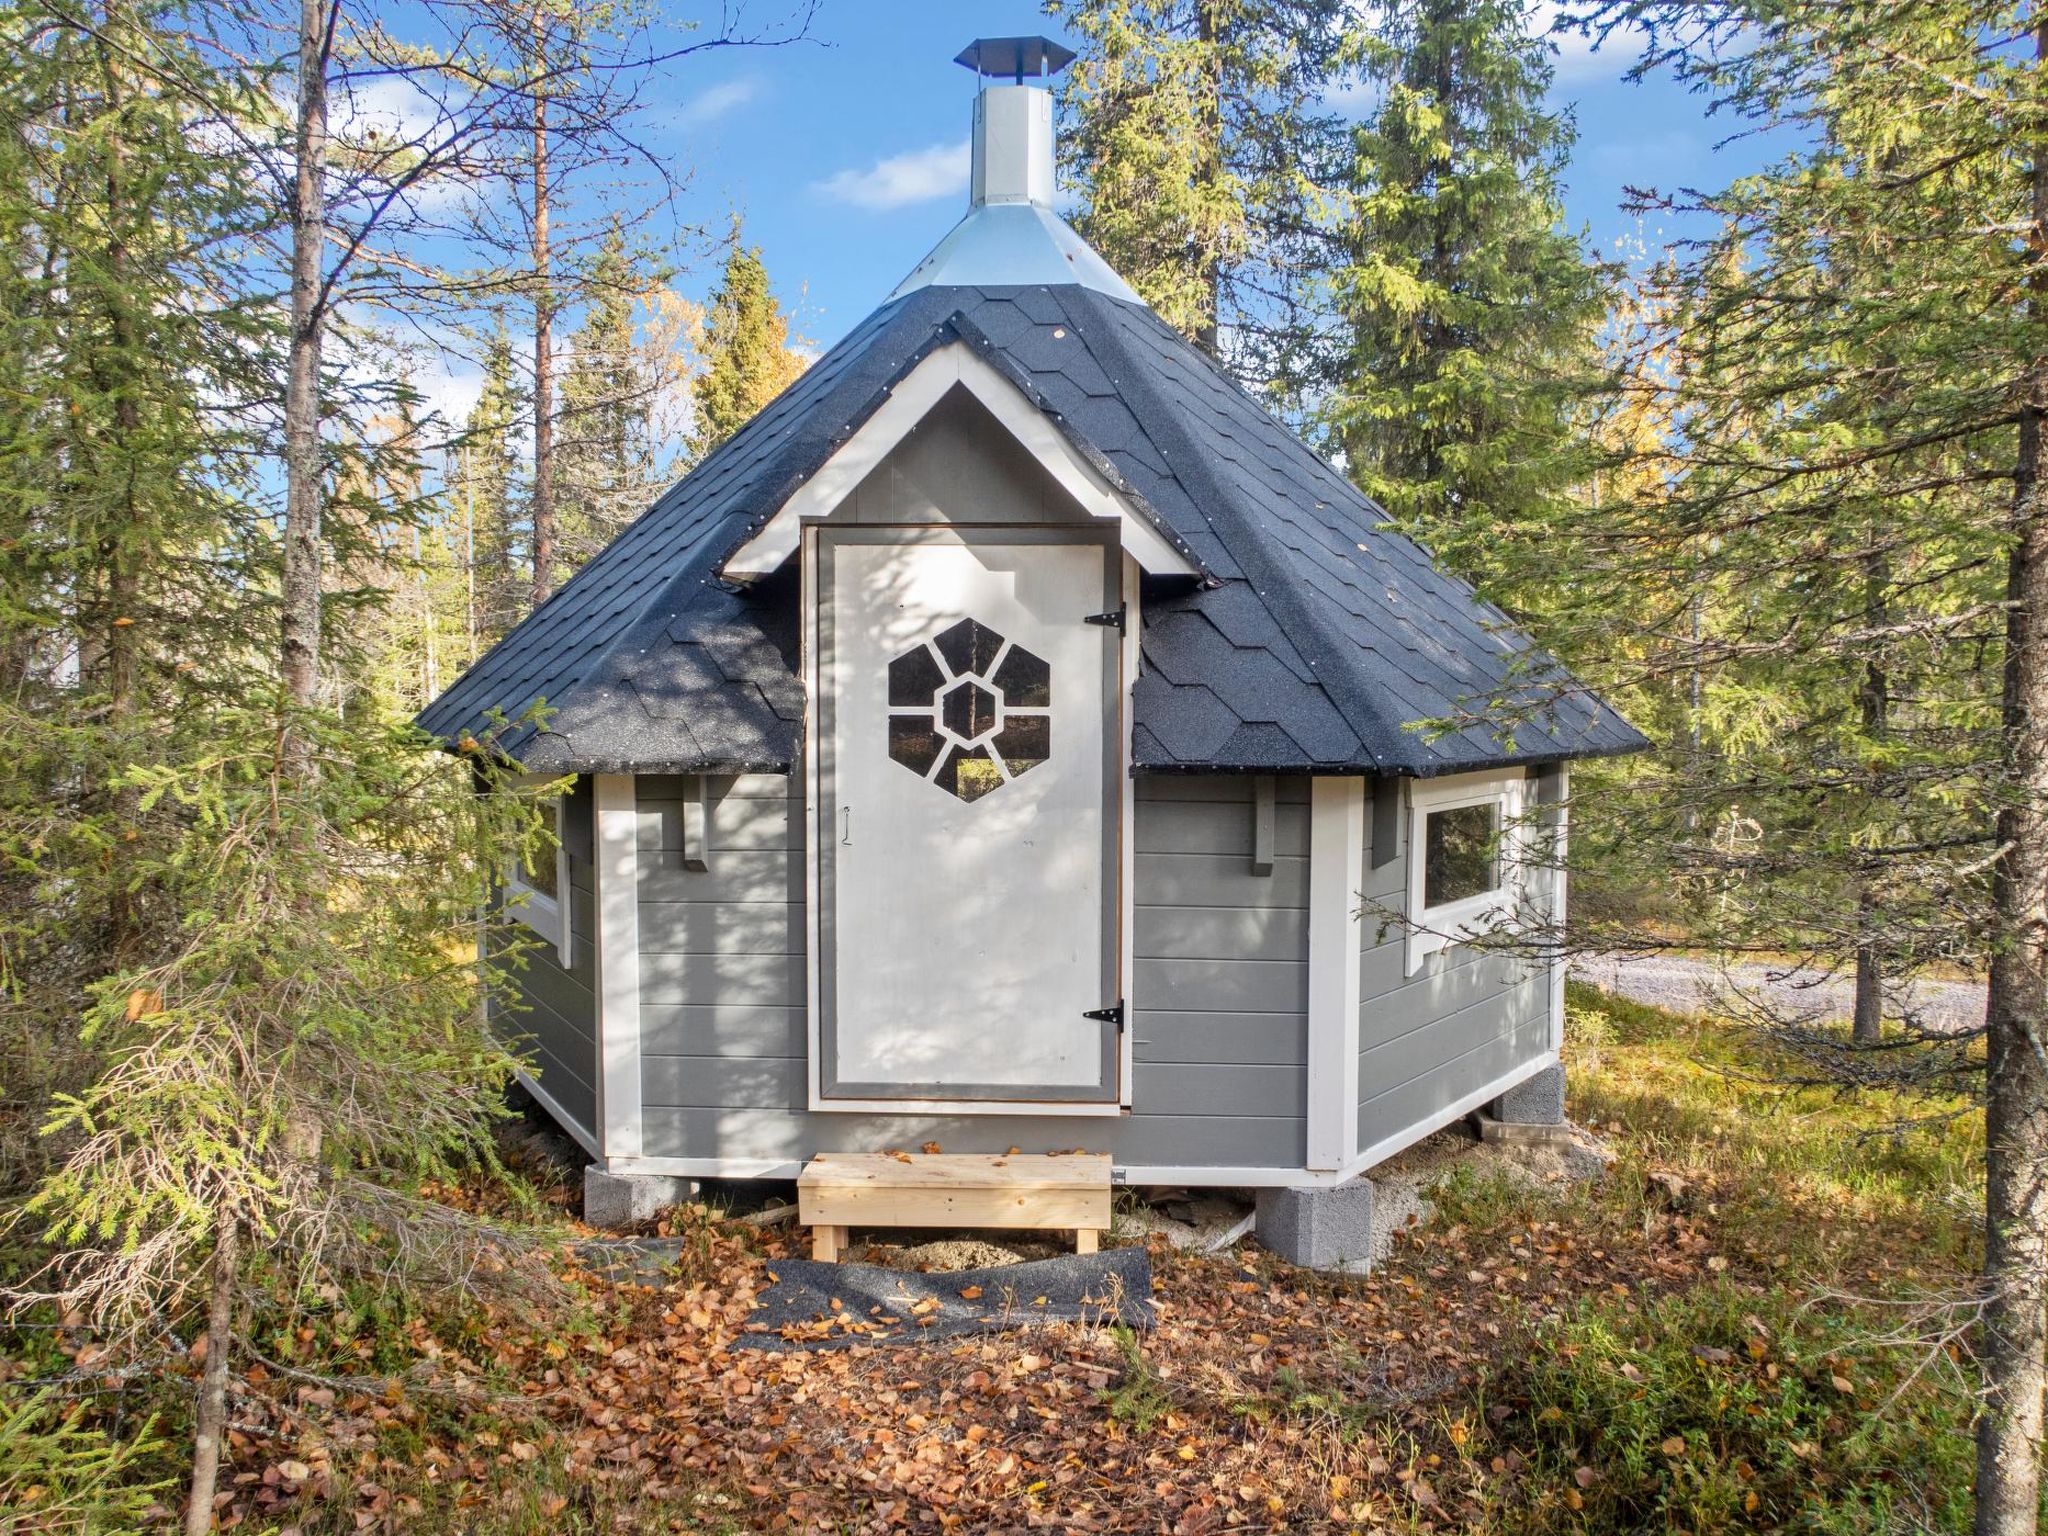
<point x="1321" y="641"/>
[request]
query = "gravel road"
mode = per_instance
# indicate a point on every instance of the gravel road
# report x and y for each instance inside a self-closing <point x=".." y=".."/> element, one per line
<point x="1689" y="986"/>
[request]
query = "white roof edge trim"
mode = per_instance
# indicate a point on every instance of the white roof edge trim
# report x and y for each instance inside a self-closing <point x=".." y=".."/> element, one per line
<point x="908" y="404"/>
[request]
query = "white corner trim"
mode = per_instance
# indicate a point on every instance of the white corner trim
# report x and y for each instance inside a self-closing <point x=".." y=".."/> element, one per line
<point x="1336" y="881"/>
<point x="1127" y="852"/>
<point x="1433" y="929"/>
<point x="618" y="965"/>
<point x="1560" y="838"/>
<point x="814" y="816"/>
<point x="908" y="404"/>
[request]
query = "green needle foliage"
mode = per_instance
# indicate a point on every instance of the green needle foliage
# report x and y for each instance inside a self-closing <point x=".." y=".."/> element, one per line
<point x="136" y="363"/>
<point x="1465" y="313"/>
<point x="747" y="358"/>
<point x="309" y="1044"/>
<point x="1201" y="146"/>
<point x="241" y="1014"/>
<point x="610" y="471"/>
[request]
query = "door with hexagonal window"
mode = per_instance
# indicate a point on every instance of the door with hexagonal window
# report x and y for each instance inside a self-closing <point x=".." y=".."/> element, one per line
<point x="966" y="816"/>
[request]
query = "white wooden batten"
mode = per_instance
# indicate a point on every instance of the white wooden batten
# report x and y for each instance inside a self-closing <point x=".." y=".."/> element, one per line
<point x="1336" y="884"/>
<point x="618" y="965"/>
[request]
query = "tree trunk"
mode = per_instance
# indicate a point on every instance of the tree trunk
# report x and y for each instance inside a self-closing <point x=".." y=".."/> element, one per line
<point x="1874" y="701"/>
<point x="543" y="338"/>
<point x="303" y="488"/>
<point x="1208" y="30"/>
<point x="124" y="544"/>
<point x="211" y="1420"/>
<point x="2009" y="1429"/>
<point x="1867" y="1026"/>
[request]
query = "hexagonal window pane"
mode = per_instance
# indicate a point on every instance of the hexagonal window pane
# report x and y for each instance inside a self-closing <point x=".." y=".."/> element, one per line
<point x="969" y="772"/>
<point x="914" y="742"/>
<point x="915" y="677"/>
<point x="968" y="647"/>
<point x="969" y="711"/>
<point x="1024" y="742"/>
<point x="1025" y="681"/>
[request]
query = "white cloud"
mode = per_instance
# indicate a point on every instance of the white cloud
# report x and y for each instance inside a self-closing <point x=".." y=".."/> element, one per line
<point x="450" y="391"/>
<point x="1577" y="62"/>
<point x="709" y="106"/>
<point x="916" y="177"/>
<point x="386" y="108"/>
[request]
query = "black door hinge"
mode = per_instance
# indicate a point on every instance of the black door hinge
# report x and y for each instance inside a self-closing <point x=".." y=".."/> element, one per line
<point x="1113" y="1014"/>
<point x="1114" y="619"/>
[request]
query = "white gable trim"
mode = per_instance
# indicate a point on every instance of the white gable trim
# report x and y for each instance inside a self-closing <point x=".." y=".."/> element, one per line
<point x="908" y="404"/>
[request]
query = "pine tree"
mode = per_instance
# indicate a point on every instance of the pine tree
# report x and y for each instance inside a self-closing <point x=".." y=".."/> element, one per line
<point x="1466" y="314"/>
<point x="1198" y="141"/>
<point x="747" y="358"/>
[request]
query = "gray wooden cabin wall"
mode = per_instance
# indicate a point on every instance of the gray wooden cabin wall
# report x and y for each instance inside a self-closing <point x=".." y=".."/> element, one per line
<point x="553" y="1019"/>
<point x="1465" y="1019"/>
<point x="1219" y="1031"/>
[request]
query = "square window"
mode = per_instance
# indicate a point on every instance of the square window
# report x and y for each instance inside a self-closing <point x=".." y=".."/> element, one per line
<point x="536" y="869"/>
<point x="1461" y="853"/>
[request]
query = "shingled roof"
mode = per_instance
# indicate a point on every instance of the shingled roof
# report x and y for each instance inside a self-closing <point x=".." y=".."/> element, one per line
<point x="1322" y="641"/>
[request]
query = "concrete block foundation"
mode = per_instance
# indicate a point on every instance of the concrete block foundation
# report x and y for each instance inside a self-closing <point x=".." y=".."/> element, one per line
<point x="1327" y="1227"/>
<point x="618" y="1200"/>
<point x="1539" y="1101"/>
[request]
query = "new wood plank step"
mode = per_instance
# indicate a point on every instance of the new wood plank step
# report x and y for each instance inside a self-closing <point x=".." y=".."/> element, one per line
<point x="1021" y="1191"/>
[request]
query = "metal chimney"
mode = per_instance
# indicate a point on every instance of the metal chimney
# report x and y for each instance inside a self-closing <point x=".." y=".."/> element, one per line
<point x="1013" y="161"/>
<point x="1011" y="237"/>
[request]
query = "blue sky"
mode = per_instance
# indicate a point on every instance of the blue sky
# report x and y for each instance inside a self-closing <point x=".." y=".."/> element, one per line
<point x="845" y="154"/>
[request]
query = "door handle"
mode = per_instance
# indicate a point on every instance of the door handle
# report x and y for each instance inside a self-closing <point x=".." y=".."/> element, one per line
<point x="846" y="825"/>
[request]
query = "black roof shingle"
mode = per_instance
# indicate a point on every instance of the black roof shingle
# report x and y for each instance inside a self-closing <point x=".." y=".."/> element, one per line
<point x="1322" y="641"/>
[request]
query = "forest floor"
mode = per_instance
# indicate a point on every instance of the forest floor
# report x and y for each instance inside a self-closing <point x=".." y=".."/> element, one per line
<point x="1793" y="990"/>
<point x="1729" y="1331"/>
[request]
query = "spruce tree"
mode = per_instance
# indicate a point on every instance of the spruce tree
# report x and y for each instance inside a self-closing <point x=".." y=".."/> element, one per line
<point x="1849" y="551"/>
<point x="607" y="460"/>
<point x="1465" y="312"/>
<point x="1199" y="143"/>
<point x="747" y="359"/>
<point x="489" y="497"/>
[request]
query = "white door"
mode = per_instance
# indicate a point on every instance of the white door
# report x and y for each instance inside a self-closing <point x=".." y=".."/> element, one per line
<point x="967" y="816"/>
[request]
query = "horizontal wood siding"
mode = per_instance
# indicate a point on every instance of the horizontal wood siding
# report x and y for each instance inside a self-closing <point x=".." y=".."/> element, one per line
<point x="1426" y="1041"/>
<point x="550" y="1016"/>
<point x="1219" y="1018"/>
<point x="1219" y="1023"/>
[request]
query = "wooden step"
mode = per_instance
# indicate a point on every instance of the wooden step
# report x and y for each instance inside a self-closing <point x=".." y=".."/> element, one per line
<point x="1026" y="1191"/>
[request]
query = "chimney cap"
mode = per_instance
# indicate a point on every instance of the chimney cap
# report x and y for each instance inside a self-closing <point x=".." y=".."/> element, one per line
<point x="1015" y="58"/>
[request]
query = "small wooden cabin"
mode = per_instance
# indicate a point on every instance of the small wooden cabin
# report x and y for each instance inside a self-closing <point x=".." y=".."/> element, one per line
<point x="1016" y="737"/>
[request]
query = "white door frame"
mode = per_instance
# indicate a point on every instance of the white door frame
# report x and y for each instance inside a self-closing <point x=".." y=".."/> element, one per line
<point x="1119" y="845"/>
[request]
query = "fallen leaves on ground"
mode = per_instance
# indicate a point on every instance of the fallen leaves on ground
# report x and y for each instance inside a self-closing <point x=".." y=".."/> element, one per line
<point x="1265" y="1398"/>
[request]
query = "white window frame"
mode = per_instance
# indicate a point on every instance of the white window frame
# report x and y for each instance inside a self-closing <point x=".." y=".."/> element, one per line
<point x="546" y="912"/>
<point x="1432" y="930"/>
